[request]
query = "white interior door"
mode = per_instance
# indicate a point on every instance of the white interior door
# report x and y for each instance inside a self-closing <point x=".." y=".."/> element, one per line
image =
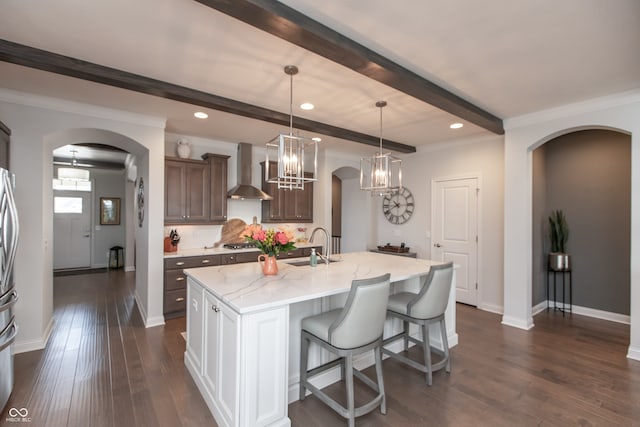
<point x="455" y="232"/>
<point x="71" y="229"/>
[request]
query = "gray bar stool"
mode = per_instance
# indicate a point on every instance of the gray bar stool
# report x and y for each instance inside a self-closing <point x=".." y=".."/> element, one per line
<point x="424" y="308"/>
<point x="354" y="329"/>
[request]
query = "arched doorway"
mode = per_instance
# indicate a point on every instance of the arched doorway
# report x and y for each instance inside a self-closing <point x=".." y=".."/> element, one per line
<point x="587" y="175"/>
<point x="103" y="235"/>
<point x="523" y="135"/>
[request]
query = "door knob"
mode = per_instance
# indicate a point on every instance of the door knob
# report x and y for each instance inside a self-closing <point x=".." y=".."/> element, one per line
<point x="437" y="245"/>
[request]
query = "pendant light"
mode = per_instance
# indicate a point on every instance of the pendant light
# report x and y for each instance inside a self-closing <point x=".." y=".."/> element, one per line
<point x="290" y="152"/>
<point x="73" y="173"/>
<point x="381" y="173"/>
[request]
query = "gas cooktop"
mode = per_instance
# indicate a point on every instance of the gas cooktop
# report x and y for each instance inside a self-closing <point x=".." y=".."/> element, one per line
<point x="245" y="245"/>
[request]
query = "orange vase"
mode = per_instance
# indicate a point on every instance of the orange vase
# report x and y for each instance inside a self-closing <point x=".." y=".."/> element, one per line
<point x="268" y="264"/>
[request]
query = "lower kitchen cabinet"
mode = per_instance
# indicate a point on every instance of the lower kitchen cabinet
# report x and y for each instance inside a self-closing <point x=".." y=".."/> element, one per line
<point x="230" y="372"/>
<point x="220" y="369"/>
<point x="195" y="326"/>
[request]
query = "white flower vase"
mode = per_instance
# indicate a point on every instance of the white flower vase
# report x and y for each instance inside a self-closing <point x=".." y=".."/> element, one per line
<point x="183" y="148"/>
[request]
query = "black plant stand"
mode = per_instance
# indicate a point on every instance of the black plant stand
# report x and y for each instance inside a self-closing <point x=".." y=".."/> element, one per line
<point x="563" y="274"/>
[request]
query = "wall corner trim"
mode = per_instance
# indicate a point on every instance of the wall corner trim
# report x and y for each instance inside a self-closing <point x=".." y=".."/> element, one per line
<point x="38" y="344"/>
<point x="516" y="322"/>
<point x="634" y="353"/>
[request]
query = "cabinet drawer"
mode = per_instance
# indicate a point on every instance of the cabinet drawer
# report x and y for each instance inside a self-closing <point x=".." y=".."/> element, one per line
<point x="191" y="261"/>
<point x="174" y="279"/>
<point x="175" y="300"/>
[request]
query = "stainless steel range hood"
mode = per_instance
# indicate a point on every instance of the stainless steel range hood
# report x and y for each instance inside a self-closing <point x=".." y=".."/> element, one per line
<point x="244" y="189"/>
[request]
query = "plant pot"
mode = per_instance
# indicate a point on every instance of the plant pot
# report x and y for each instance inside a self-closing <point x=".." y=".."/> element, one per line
<point x="559" y="261"/>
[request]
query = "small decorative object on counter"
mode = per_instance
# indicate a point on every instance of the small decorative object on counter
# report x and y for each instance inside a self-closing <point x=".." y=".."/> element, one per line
<point x="171" y="242"/>
<point x="183" y="148"/>
<point x="313" y="258"/>
<point x="271" y="243"/>
<point x="268" y="264"/>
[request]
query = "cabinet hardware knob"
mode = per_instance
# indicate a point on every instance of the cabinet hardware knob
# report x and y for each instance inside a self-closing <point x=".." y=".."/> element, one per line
<point x="179" y="299"/>
<point x="179" y="279"/>
<point x="214" y="308"/>
<point x="180" y="263"/>
<point x="437" y="245"/>
<point x="205" y="261"/>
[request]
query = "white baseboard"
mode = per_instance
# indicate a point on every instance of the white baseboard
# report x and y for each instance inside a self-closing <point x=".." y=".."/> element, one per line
<point x="497" y="309"/>
<point x="592" y="312"/>
<point x="538" y="308"/>
<point x="31" y="345"/>
<point x="517" y="323"/>
<point x="130" y="268"/>
<point x="634" y="353"/>
<point x="148" y="322"/>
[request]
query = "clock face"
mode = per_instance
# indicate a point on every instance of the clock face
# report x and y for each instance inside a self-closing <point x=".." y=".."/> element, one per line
<point x="398" y="207"/>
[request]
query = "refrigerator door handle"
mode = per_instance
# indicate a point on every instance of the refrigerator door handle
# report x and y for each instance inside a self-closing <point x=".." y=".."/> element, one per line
<point x="12" y="338"/>
<point x="11" y="241"/>
<point x="12" y="296"/>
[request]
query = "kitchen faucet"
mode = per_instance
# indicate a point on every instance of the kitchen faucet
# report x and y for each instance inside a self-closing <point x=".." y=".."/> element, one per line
<point x="327" y="243"/>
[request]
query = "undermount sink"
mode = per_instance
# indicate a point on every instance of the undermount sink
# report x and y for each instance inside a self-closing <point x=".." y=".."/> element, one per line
<point x="306" y="262"/>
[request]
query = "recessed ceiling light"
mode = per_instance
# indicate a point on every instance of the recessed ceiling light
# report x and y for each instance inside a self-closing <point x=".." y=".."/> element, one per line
<point x="201" y="115"/>
<point x="307" y="106"/>
<point x="456" y="125"/>
<point x="316" y="139"/>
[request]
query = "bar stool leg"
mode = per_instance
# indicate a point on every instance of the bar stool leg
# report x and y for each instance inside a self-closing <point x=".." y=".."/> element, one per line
<point x="304" y="354"/>
<point x="378" y="353"/>
<point x="426" y="346"/>
<point x="350" y="394"/>
<point x="445" y="344"/>
<point x="405" y="324"/>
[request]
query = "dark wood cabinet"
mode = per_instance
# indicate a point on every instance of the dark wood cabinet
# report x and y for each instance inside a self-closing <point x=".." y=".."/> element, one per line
<point x="218" y="184"/>
<point x="196" y="190"/>
<point x="186" y="191"/>
<point x="286" y="205"/>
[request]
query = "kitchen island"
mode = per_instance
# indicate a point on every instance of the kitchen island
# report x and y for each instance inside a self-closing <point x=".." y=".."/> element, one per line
<point x="243" y="328"/>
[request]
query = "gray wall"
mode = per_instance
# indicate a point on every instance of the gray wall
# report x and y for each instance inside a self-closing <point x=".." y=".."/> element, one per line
<point x="587" y="174"/>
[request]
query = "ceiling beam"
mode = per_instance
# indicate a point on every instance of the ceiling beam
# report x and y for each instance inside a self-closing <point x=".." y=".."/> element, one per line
<point x="48" y="61"/>
<point x="286" y="23"/>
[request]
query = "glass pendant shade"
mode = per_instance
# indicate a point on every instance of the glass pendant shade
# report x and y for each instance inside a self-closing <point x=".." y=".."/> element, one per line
<point x="296" y="157"/>
<point x="381" y="174"/>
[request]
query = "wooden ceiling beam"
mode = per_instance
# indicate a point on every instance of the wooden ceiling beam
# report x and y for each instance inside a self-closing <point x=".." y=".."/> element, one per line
<point x="52" y="62"/>
<point x="286" y="23"/>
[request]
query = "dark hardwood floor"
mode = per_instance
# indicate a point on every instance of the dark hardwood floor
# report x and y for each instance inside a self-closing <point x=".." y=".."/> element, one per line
<point x="101" y="367"/>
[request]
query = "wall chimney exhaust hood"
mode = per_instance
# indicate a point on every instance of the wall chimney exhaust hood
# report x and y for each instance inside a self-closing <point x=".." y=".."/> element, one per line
<point x="244" y="189"/>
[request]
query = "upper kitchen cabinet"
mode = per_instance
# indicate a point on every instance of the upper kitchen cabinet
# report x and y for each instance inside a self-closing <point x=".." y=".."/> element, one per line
<point x="186" y="191"/>
<point x="287" y="205"/>
<point x="218" y="184"/>
<point x="195" y="191"/>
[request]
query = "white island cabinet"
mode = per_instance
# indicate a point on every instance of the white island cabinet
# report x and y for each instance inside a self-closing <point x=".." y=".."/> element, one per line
<point x="242" y="329"/>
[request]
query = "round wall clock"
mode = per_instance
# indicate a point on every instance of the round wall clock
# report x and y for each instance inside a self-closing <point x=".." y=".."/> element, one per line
<point x="398" y="207"/>
<point x="140" y="202"/>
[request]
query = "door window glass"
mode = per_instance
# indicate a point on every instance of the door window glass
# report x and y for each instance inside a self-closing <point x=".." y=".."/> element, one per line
<point x="67" y="205"/>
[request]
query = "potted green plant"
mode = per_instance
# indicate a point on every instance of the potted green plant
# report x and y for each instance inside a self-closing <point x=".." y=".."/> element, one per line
<point x="559" y="260"/>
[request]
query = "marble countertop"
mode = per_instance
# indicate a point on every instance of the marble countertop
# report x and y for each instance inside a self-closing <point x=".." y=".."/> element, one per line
<point x="221" y="251"/>
<point x="245" y="289"/>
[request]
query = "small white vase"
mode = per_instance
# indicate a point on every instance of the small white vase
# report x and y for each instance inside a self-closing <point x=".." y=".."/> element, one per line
<point x="183" y="148"/>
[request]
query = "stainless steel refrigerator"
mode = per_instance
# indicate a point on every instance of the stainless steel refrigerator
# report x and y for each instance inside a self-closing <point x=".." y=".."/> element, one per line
<point x="8" y="294"/>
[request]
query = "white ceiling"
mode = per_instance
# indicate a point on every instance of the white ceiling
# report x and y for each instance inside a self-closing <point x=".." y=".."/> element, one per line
<point x="507" y="57"/>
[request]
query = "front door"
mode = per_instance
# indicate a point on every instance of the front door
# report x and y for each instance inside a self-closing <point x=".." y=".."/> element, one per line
<point x="71" y="229"/>
<point x="455" y="232"/>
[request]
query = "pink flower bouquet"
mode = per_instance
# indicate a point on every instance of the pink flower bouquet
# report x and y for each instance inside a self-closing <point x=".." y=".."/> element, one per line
<point x="270" y="242"/>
